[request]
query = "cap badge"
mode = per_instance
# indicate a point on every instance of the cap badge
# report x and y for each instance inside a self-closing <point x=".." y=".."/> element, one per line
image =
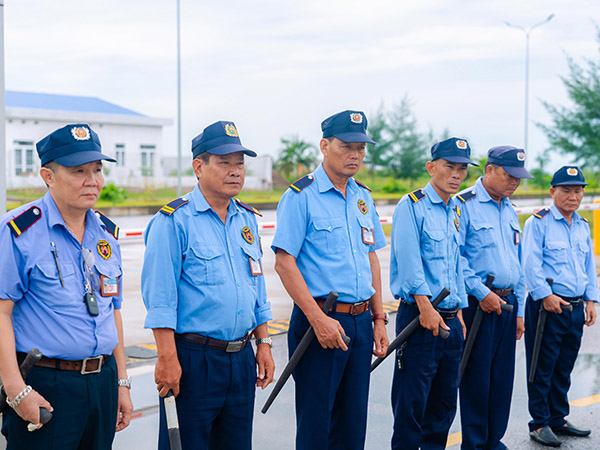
<point x="362" y="206"/>
<point x="231" y="131"/>
<point x="461" y="144"/>
<point x="80" y="133"/>
<point x="356" y="118"/>
<point x="104" y="249"/>
<point x="247" y="235"/>
<point x="521" y="156"/>
<point x="572" y="171"/>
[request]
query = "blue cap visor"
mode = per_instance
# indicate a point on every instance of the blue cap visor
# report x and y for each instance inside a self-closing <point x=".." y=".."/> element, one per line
<point x="354" y="137"/>
<point x="571" y="183"/>
<point x="230" y="148"/>
<point x="517" y="172"/>
<point x="458" y="159"/>
<point x="80" y="158"/>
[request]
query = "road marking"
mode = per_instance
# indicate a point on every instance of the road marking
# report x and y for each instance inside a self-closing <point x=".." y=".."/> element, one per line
<point x="585" y="401"/>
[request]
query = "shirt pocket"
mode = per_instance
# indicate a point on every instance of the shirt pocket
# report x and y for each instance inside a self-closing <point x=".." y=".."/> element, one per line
<point x="583" y="250"/>
<point x="250" y="252"/>
<point x="47" y="284"/>
<point x="482" y="236"/>
<point x="366" y="223"/>
<point x="433" y="244"/>
<point x="106" y="269"/>
<point x="205" y="265"/>
<point x="556" y="252"/>
<point x="515" y="233"/>
<point x="329" y="235"/>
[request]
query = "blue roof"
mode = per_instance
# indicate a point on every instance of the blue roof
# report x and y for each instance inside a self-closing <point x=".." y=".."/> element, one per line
<point x="58" y="102"/>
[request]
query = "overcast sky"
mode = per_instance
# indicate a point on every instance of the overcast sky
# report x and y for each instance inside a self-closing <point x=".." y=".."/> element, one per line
<point x="279" y="68"/>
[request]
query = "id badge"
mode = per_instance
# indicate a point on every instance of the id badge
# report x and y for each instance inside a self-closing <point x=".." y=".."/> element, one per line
<point x="255" y="267"/>
<point x="368" y="236"/>
<point x="517" y="237"/>
<point x="109" y="287"/>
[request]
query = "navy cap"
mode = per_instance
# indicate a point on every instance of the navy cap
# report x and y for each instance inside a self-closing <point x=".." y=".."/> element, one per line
<point x="347" y="126"/>
<point x="568" y="176"/>
<point x="71" y="145"/>
<point x="511" y="159"/>
<point x="455" y="150"/>
<point x="220" y="138"/>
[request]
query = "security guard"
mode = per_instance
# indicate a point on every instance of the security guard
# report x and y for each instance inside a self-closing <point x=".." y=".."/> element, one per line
<point x="557" y="245"/>
<point x="491" y="244"/>
<point x="204" y="289"/>
<point x="60" y="285"/>
<point x="327" y="234"/>
<point x="425" y="258"/>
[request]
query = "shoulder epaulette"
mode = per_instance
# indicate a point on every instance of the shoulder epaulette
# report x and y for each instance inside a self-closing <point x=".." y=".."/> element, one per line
<point x="541" y="213"/>
<point x="110" y="226"/>
<point x="585" y="219"/>
<point x="24" y="220"/>
<point x="170" y="207"/>
<point x="363" y="185"/>
<point x="300" y="184"/>
<point x="252" y="209"/>
<point x="467" y="196"/>
<point x="417" y="195"/>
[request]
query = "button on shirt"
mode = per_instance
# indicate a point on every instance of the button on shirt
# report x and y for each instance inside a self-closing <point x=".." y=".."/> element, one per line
<point x="325" y="232"/>
<point x="425" y="250"/>
<point x="197" y="275"/>
<point x="491" y="244"/>
<point x="46" y="315"/>
<point x="553" y="249"/>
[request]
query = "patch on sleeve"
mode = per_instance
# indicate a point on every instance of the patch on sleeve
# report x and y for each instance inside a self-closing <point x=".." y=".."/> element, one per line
<point x="23" y="221"/>
<point x="466" y="196"/>
<point x="541" y="213"/>
<point x="173" y="205"/>
<point x="300" y="184"/>
<point x="110" y="226"/>
<point x="417" y="195"/>
<point x="252" y="209"/>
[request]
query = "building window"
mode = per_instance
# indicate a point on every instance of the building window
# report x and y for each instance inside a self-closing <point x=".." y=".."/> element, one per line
<point x="120" y="154"/>
<point x="148" y="152"/>
<point x="23" y="157"/>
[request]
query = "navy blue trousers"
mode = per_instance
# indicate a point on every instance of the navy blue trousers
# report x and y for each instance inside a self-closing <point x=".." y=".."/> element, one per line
<point x="215" y="405"/>
<point x="487" y="383"/>
<point x="548" y="403"/>
<point x="85" y="411"/>
<point x="332" y="386"/>
<point x="424" y="392"/>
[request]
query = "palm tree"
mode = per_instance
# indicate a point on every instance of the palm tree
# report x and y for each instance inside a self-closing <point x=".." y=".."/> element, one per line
<point x="296" y="157"/>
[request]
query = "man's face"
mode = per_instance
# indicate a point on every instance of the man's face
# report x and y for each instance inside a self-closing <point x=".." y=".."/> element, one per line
<point x="567" y="198"/>
<point x="223" y="175"/>
<point x="342" y="159"/>
<point x="500" y="182"/>
<point x="76" y="188"/>
<point x="446" y="176"/>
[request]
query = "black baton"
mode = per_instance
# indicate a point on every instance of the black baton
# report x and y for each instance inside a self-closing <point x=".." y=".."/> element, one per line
<point x="172" y="421"/>
<point x="297" y="355"/>
<point x="30" y="360"/>
<point x="539" y="333"/>
<point x="474" y="329"/>
<point x="410" y="329"/>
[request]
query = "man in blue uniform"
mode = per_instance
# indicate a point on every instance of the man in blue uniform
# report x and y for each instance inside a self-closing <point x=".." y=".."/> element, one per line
<point x="203" y="286"/>
<point x="491" y="244"/>
<point x="327" y="233"/>
<point x="60" y="292"/>
<point x="557" y="245"/>
<point x="425" y="258"/>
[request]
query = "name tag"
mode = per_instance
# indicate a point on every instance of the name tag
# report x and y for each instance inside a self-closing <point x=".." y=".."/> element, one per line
<point x="109" y="287"/>
<point x="517" y="237"/>
<point x="255" y="267"/>
<point x="368" y="236"/>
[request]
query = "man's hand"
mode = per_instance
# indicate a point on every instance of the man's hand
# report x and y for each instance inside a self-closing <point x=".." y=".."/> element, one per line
<point x="552" y="304"/>
<point x="459" y="314"/>
<point x="380" y="338"/>
<point x="520" y="327"/>
<point x="590" y="313"/>
<point x="29" y="408"/>
<point x="491" y="303"/>
<point x="125" y="408"/>
<point x="431" y="320"/>
<point x="266" y="366"/>
<point x="329" y="332"/>
<point x="167" y="374"/>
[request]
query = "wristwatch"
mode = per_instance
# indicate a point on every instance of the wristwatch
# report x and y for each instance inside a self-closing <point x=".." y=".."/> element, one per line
<point x="382" y="316"/>
<point x="266" y="340"/>
<point x="126" y="382"/>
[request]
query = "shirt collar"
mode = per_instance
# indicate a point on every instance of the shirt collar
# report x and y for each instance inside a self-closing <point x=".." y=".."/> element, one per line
<point x="56" y="218"/>
<point x="324" y="183"/>
<point x="483" y="195"/>
<point x="558" y="216"/>
<point x="202" y="205"/>
<point x="432" y="194"/>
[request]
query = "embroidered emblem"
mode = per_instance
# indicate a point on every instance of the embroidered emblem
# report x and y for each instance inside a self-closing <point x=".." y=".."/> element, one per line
<point x="456" y="224"/>
<point x="521" y="156"/>
<point x="362" y="206"/>
<point x="247" y="235"/>
<point x="461" y="144"/>
<point x="80" y="133"/>
<point x="572" y="171"/>
<point x="231" y="131"/>
<point x="104" y="249"/>
<point x="356" y="117"/>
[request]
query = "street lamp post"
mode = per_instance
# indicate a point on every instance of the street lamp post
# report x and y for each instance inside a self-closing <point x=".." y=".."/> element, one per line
<point x="527" y="32"/>
<point x="178" y="101"/>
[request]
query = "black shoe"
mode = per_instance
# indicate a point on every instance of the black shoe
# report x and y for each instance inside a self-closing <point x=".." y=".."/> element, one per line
<point x="545" y="437"/>
<point x="571" y="430"/>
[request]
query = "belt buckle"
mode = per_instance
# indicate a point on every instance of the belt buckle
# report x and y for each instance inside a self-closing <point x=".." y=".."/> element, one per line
<point x="355" y="307"/>
<point x="234" y="346"/>
<point x="84" y="370"/>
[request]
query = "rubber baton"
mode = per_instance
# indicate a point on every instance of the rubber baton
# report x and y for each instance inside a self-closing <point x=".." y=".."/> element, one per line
<point x="172" y="421"/>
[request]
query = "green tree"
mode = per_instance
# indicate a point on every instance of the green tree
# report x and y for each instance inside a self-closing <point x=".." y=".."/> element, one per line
<point x="296" y="157"/>
<point x="378" y="130"/>
<point x="576" y="129"/>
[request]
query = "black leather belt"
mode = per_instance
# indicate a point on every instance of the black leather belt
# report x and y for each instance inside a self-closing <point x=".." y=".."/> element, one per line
<point x="574" y="301"/>
<point x="504" y="292"/>
<point x="447" y="314"/>
<point x="217" y="344"/>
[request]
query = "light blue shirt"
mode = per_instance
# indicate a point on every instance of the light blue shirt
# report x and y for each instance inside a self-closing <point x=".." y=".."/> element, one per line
<point x="491" y="244"/>
<point x="325" y="232"/>
<point x="425" y="250"/>
<point x="553" y="249"/>
<point x="46" y="315"/>
<point x="197" y="274"/>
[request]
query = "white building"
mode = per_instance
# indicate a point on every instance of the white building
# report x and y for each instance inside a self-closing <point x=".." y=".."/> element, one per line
<point x="133" y="139"/>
